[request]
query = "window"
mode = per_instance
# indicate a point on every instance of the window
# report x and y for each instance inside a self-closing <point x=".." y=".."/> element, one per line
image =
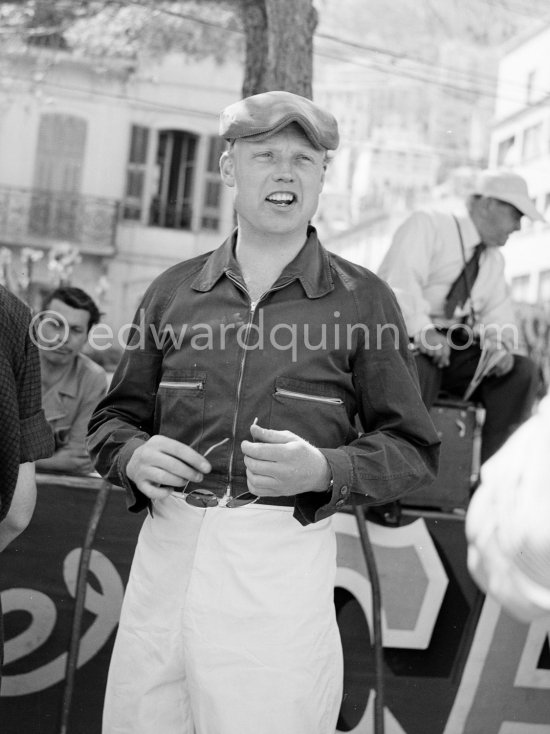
<point x="532" y="138"/>
<point x="60" y="153"/>
<point x="165" y="188"/>
<point x="135" y="173"/>
<point x="56" y="203"/>
<point x="212" y="185"/>
<point x="171" y="206"/>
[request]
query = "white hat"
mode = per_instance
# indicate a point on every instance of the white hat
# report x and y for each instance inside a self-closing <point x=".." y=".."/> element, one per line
<point x="509" y="187"/>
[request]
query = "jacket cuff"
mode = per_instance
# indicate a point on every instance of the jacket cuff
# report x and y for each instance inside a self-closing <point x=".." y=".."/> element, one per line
<point x="135" y="500"/>
<point x="314" y="506"/>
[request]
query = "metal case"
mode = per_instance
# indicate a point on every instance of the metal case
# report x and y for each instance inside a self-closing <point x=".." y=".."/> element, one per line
<point x="459" y="425"/>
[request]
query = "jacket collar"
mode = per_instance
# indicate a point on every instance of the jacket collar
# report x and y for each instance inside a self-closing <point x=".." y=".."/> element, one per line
<point x="311" y="267"/>
<point x="69" y="383"/>
<point x="54" y="399"/>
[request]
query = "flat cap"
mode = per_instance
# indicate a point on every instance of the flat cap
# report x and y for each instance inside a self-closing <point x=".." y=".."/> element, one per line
<point x="262" y="115"/>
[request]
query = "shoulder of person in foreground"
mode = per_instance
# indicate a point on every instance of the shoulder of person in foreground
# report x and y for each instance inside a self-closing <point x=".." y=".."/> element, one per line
<point x="507" y="521"/>
<point x="9" y="301"/>
<point x="21" y="380"/>
<point x="15" y="318"/>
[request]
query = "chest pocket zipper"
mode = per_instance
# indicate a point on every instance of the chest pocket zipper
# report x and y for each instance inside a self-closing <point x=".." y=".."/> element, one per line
<point x="305" y="396"/>
<point x="197" y="385"/>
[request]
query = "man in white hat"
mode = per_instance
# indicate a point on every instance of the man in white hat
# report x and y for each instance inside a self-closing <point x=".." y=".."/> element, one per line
<point x="447" y="272"/>
<point x="240" y="438"/>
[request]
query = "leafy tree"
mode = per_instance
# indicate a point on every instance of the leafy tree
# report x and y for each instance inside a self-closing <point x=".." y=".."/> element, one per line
<point x="275" y="36"/>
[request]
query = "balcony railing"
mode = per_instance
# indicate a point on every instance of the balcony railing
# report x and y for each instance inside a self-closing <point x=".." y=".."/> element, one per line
<point x="40" y="217"/>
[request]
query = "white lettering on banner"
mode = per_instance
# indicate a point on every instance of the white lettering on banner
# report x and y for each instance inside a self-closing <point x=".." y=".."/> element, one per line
<point x="43" y="618"/>
<point x="105" y="604"/>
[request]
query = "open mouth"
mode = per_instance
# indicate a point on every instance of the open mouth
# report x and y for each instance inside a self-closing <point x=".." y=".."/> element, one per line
<point x="281" y="198"/>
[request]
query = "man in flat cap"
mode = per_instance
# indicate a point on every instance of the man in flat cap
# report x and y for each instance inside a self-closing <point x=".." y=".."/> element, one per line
<point x="240" y="439"/>
<point x="447" y="272"/>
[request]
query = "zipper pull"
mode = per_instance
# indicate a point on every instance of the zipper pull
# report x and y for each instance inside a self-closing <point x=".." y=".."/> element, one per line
<point x="227" y="496"/>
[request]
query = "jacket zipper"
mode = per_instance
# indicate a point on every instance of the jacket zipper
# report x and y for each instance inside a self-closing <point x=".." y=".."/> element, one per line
<point x="306" y="396"/>
<point x="184" y="385"/>
<point x="253" y="306"/>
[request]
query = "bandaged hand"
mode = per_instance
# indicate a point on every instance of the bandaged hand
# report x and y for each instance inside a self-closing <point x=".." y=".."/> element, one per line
<point x="507" y="522"/>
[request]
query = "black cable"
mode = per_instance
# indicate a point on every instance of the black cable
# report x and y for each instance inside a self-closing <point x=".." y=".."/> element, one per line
<point x="80" y="598"/>
<point x="376" y="593"/>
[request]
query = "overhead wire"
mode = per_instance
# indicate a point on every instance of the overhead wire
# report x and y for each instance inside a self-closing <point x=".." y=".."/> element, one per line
<point x="478" y="78"/>
<point x="466" y="76"/>
<point x="410" y="74"/>
<point x="481" y="84"/>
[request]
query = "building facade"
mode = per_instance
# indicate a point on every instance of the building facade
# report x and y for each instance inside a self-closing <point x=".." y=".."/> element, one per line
<point x="114" y="161"/>
<point x="520" y="140"/>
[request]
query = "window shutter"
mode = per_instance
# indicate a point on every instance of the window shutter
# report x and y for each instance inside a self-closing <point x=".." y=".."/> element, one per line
<point x="135" y="173"/>
<point x="211" y="205"/>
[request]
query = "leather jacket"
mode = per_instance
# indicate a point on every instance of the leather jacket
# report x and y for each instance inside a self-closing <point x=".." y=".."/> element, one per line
<point x="324" y="354"/>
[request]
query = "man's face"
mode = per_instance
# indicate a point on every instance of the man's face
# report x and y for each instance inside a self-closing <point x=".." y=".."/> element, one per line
<point x="498" y="221"/>
<point x="62" y="332"/>
<point x="277" y="181"/>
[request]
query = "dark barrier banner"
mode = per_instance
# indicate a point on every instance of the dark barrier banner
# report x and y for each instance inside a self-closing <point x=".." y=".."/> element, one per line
<point x="38" y="588"/>
<point x="453" y="663"/>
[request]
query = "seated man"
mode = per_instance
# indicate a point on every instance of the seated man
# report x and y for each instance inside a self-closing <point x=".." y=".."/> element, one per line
<point x="72" y="383"/>
<point x="447" y="271"/>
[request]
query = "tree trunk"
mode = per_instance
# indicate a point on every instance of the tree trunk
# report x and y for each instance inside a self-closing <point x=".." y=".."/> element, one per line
<point x="279" y="45"/>
<point x="254" y="21"/>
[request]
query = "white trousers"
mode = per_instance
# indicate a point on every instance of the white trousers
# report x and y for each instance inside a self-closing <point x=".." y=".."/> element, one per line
<point x="228" y="626"/>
